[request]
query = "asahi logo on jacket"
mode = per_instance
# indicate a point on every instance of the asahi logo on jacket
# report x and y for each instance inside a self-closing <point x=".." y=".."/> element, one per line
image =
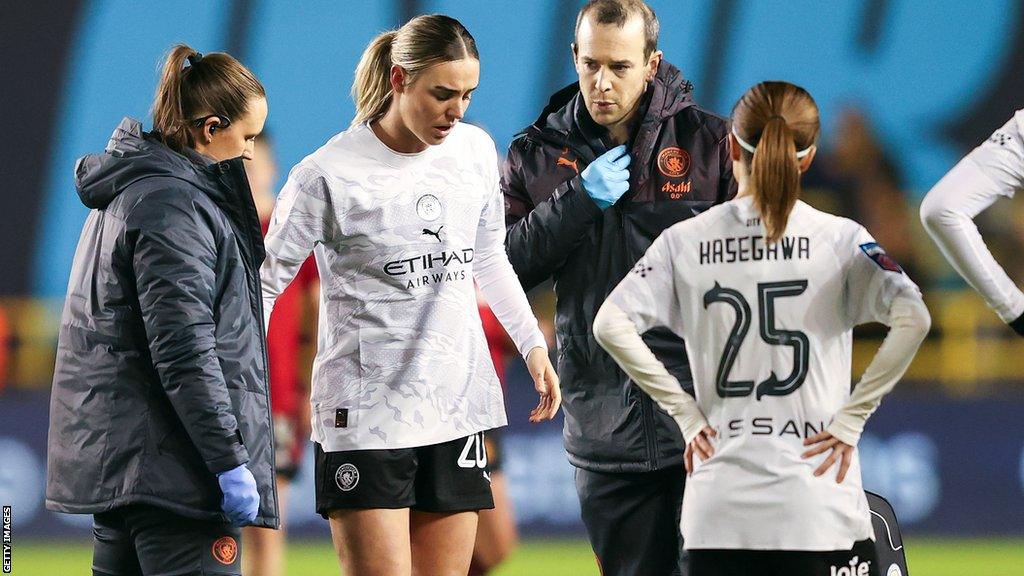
<point x="676" y="191"/>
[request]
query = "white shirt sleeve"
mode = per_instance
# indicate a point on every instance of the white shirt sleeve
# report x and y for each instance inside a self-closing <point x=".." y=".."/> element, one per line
<point x="878" y="290"/>
<point x="648" y="293"/>
<point x="494" y="274"/>
<point x="872" y="279"/>
<point x="644" y="299"/>
<point x="993" y="170"/>
<point x="303" y="217"/>
<point x="908" y="325"/>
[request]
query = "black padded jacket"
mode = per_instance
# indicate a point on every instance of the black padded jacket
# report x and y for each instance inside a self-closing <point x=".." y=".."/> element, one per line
<point x="680" y="168"/>
<point x="160" y="381"/>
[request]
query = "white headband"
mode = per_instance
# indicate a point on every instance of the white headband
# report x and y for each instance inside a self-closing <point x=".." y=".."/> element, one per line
<point x="749" y="148"/>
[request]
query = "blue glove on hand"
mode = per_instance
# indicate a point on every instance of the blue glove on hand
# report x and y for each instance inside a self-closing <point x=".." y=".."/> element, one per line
<point x="241" y="500"/>
<point x="606" y="179"/>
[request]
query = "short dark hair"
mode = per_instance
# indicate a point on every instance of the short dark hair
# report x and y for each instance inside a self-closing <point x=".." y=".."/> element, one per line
<point x="618" y="12"/>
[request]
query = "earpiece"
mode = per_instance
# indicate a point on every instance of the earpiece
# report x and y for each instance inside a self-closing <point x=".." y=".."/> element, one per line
<point x="221" y="123"/>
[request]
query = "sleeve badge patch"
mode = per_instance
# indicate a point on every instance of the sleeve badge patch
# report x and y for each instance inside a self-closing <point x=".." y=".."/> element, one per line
<point x="642" y="268"/>
<point x="877" y="253"/>
<point x="1000" y="138"/>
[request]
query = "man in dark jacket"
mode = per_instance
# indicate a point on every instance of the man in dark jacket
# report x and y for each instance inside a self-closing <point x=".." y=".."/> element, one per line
<point x="611" y="163"/>
<point x="159" y="415"/>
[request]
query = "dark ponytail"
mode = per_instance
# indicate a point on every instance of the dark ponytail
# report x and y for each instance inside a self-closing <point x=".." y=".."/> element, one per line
<point x="192" y="86"/>
<point x="779" y="120"/>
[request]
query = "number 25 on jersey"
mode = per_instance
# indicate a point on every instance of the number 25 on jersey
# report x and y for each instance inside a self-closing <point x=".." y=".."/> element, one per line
<point x="767" y="293"/>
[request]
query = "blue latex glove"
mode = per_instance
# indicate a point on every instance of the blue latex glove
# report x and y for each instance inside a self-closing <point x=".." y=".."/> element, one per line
<point x="606" y="179"/>
<point x="241" y="500"/>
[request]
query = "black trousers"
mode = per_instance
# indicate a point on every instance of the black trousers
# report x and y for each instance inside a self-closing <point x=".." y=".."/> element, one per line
<point x="632" y="520"/>
<point x="142" y="540"/>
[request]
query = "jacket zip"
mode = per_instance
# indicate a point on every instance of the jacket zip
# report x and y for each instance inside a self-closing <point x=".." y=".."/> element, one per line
<point x="646" y="404"/>
<point x="253" y="274"/>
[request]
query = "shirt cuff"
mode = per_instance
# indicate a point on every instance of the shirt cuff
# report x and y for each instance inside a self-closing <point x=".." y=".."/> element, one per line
<point x="846" y="428"/>
<point x="690" y="422"/>
<point x="536" y="340"/>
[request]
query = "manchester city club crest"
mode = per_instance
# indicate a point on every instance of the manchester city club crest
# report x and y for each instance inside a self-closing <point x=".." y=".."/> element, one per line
<point x="347" y="477"/>
<point x="225" y="550"/>
<point x="428" y="207"/>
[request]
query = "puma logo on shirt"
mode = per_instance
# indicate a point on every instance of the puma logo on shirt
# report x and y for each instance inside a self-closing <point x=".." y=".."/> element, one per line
<point x="428" y="232"/>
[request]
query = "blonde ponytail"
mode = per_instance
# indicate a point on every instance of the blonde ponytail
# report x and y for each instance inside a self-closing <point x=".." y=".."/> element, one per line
<point x="419" y="44"/>
<point x="371" y="89"/>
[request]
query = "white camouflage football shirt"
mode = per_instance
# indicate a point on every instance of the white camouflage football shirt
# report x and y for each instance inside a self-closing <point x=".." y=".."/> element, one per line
<point x="399" y="239"/>
<point x="768" y="335"/>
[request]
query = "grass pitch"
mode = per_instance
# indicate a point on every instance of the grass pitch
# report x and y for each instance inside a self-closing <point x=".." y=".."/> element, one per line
<point x="926" y="557"/>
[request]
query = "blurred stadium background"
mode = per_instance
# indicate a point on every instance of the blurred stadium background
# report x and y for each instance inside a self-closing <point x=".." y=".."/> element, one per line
<point x="906" y="87"/>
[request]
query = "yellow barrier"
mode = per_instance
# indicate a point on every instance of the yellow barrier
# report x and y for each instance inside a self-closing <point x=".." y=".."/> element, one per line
<point x="968" y="352"/>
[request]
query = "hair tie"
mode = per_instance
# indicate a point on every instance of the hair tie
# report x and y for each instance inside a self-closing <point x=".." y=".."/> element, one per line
<point x="194" y="59"/>
<point x="751" y="148"/>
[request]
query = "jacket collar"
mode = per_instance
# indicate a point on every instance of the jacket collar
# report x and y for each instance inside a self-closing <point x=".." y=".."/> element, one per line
<point x="566" y="122"/>
<point x="132" y="155"/>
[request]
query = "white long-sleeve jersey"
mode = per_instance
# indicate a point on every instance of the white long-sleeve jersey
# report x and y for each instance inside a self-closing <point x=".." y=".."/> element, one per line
<point x="768" y="331"/>
<point x="993" y="170"/>
<point x="399" y="240"/>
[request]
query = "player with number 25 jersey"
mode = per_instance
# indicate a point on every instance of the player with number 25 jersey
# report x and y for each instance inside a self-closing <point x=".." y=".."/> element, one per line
<point x="765" y="290"/>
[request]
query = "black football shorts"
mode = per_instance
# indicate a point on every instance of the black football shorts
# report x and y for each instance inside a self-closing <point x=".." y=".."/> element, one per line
<point x="448" y="477"/>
